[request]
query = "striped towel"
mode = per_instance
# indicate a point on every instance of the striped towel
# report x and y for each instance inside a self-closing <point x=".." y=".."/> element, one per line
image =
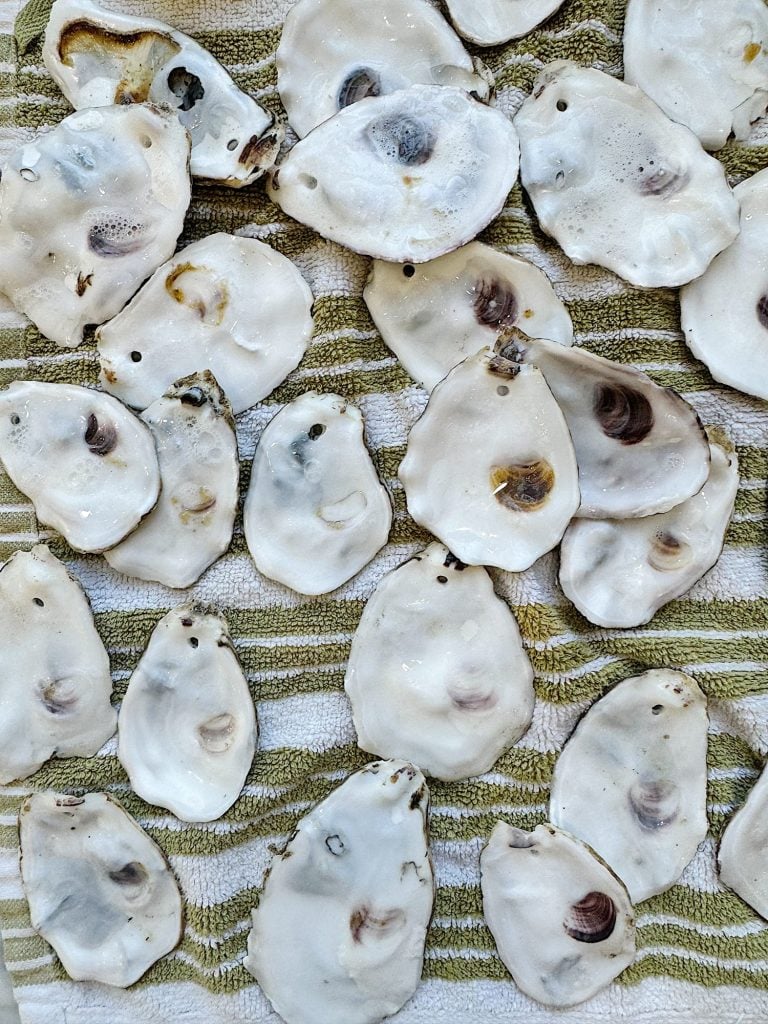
<point x="702" y="954"/>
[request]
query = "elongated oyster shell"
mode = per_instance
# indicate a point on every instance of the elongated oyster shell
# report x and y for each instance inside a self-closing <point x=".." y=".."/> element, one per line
<point x="437" y="672"/>
<point x="632" y="779"/>
<point x="407" y="176"/>
<point x="88" y="465"/>
<point x="561" y="919"/>
<point x="88" y="211"/>
<point x="434" y="315"/>
<point x="617" y="183"/>
<point x="99" y="57"/>
<point x="99" y="889"/>
<point x="496" y="21"/>
<point x="339" y="931"/>
<point x="741" y="856"/>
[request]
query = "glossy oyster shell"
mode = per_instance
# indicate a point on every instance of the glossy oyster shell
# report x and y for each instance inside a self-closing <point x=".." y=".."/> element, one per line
<point x="496" y="21"/>
<point x="741" y="856"/>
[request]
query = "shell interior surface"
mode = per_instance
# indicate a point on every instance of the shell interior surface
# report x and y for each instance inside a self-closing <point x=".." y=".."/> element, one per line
<point x="55" y="683"/>
<point x="617" y="183"/>
<point x="339" y="931"/>
<point x="406" y="176"/>
<point x="88" y="464"/>
<point x="490" y="467"/>
<point x="561" y="919"/>
<point x="315" y="512"/>
<point x="99" y="57"/>
<point x="99" y="889"/>
<point x="437" y="673"/>
<point x="435" y="314"/>
<point x="90" y="209"/>
<point x="631" y="781"/>
<point x="191" y="525"/>
<point x="188" y="730"/>
<point x="741" y="857"/>
<point x="496" y="21"/>
<point x="704" y="64"/>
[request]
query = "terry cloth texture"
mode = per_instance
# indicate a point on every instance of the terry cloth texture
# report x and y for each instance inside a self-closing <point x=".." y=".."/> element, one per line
<point x="702" y="953"/>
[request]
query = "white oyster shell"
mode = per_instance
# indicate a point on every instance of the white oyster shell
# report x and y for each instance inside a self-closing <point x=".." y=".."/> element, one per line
<point x="187" y="729"/>
<point x="437" y="673"/>
<point x="490" y="467"/>
<point x="741" y="856"/>
<point x="99" y="57"/>
<point x="561" y="919"/>
<point x="407" y="176"/>
<point x="315" y="512"/>
<point x="99" y="889"/>
<point x="496" y="21"/>
<point x="191" y="525"/>
<point x="617" y="183"/>
<point x="704" y="63"/>
<point x="88" y="464"/>
<point x="619" y="572"/>
<point x="55" y="683"/>
<point x="87" y="211"/>
<point x="339" y="931"/>
<point x="436" y="314"/>
<point x="632" y="779"/>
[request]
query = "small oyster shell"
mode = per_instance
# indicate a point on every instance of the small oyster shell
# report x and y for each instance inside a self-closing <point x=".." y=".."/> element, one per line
<point x="618" y="184"/>
<point x="632" y="779"/>
<point x="315" y="512"/>
<point x="741" y="856"/>
<point x="339" y="931"/>
<point x="561" y="919"/>
<point x="187" y="730"/>
<point x="99" y="889"/>
<point x="496" y="21"/>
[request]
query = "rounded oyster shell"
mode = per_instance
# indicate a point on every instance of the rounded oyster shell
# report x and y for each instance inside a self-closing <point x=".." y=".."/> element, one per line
<point x="741" y="856"/>
<point x="496" y="21"/>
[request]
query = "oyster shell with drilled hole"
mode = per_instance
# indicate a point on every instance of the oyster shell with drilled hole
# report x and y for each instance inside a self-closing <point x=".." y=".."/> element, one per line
<point x="496" y="21"/>
<point x="490" y="467"/>
<point x="315" y="512"/>
<point x="88" y="465"/>
<point x="561" y="919"/>
<point x="616" y="183"/>
<point x="191" y="525"/>
<point x="632" y="779"/>
<point x="55" y="683"/>
<point x="406" y="176"/>
<point x="436" y="314"/>
<point x="99" y="57"/>
<point x="339" y="931"/>
<point x="741" y="856"/>
<point x="100" y="891"/>
<point x="437" y="673"/>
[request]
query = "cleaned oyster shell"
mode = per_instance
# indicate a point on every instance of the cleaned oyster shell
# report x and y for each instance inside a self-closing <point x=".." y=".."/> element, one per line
<point x="339" y="931"/>
<point x="632" y="779"/>
<point x="407" y="176"/>
<point x="490" y="467"/>
<point x="99" y="57"/>
<point x="741" y="856"/>
<point x="315" y="512"/>
<point x="437" y="672"/>
<point x="496" y="21"/>
<point x="55" y="683"/>
<point x="88" y="465"/>
<point x="99" y="889"/>
<point x="191" y="525"/>
<point x="617" y="183"/>
<point x="561" y="919"/>
<point x="619" y="572"/>
<point x="88" y="211"/>
<point x="434" y="315"/>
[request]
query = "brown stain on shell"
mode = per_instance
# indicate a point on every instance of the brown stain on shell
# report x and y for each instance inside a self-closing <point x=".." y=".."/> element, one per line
<point x="212" y="312"/>
<point x="257" y="151"/>
<point x="623" y="413"/>
<point x="523" y="487"/>
<point x="751" y="50"/>
<point x="84" y="281"/>
<point x="363" y="923"/>
<point x="592" y="919"/>
<point x="668" y="553"/>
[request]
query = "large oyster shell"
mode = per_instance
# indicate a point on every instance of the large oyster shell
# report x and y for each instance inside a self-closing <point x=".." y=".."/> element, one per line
<point x="338" y="935"/>
<point x="741" y="856"/>
<point x="496" y="21"/>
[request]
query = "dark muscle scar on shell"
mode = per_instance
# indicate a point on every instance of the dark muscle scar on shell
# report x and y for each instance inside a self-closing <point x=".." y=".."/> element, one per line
<point x="762" y="310"/>
<point x="524" y="487"/>
<point x="495" y="304"/>
<point x="624" y="414"/>
<point x="101" y="438"/>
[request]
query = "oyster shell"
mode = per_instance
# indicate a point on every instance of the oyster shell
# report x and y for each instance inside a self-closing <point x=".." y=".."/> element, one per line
<point x="617" y="183"/>
<point x="88" y="211"/>
<point x="339" y="931"/>
<point x="437" y="672"/>
<point x="99" y="889"/>
<point x="497" y="21"/>
<point x="407" y="176"/>
<point x="561" y="919"/>
<point x="315" y="512"/>
<point x="434" y="315"/>
<point x="490" y="467"/>
<point x="619" y="572"/>
<point x="88" y="465"/>
<point x="741" y="856"/>
<point x="99" y="57"/>
<point x="632" y="779"/>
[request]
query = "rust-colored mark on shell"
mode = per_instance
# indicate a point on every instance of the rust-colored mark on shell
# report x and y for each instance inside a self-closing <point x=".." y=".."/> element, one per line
<point x="363" y="923"/>
<point x="592" y="919"/>
<point x="84" y="281"/>
<point x="654" y="804"/>
<point x="523" y="487"/>
<point x="209" y="299"/>
<point x="495" y="303"/>
<point x="751" y="50"/>
<point x="131" y="874"/>
<point x="624" y="414"/>
<point x="762" y="310"/>
<point x="258" y="152"/>
<point x="668" y="552"/>
<point x="217" y="734"/>
<point x="101" y="438"/>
